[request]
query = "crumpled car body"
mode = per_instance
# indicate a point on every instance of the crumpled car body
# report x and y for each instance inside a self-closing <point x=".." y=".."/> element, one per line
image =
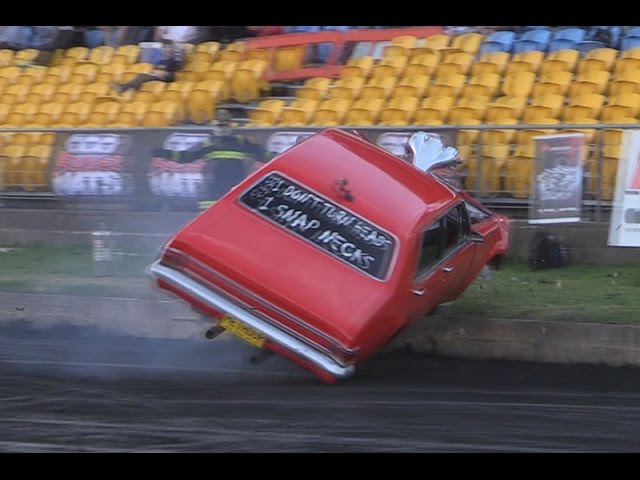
<point x="330" y="250"/>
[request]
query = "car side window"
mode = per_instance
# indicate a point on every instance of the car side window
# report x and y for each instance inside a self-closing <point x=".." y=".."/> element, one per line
<point x="431" y="248"/>
<point x="443" y="235"/>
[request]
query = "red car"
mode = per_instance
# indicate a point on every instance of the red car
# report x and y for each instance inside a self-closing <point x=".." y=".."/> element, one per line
<point x="332" y="248"/>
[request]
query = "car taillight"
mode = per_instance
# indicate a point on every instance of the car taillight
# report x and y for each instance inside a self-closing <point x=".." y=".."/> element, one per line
<point x="173" y="258"/>
<point x="343" y="357"/>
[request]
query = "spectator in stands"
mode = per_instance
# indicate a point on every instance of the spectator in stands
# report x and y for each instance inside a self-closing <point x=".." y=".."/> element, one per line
<point x="601" y="34"/>
<point x="165" y="70"/>
<point x="15" y="37"/>
<point x="177" y="34"/>
<point x="263" y="31"/>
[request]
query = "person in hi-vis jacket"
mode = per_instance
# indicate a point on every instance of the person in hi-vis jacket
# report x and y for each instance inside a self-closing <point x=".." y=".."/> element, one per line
<point x="229" y="157"/>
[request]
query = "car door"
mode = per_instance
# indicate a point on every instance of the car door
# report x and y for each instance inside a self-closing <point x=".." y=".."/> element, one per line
<point x="444" y="256"/>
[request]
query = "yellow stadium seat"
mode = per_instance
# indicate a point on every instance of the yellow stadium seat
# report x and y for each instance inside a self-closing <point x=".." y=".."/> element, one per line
<point x="399" y="111"/>
<point x="380" y="87"/>
<point x="288" y="58"/>
<point x="450" y="85"/>
<point x="424" y="64"/>
<point x="77" y="53"/>
<point x="83" y="74"/>
<point x="25" y="55"/>
<point x="10" y="74"/>
<point x="30" y="76"/>
<point x="154" y="86"/>
<point x="631" y="100"/>
<point x="467" y="42"/>
<point x="518" y="85"/>
<point x="160" y="114"/>
<point x="91" y="91"/>
<point x="389" y="67"/>
<point x="357" y="67"/>
<point x="110" y="73"/>
<point x="528" y="61"/>
<point x="4" y="111"/>
<point x="314" y="88"/>
<point x="127" y="54"/>
<point x="625" y="82"/>
<point x="245" y="86"/>
<point x="434" y="108"/>
<point x="135" y="69"/>
<point x="593" y="81"/>
<point x="412" y="86"/>
<point x="408" y="41"/>
<point x="299" y="112"/>
<point x="436" y="42"/>
<point x="484" y="84"/>
<point x="347" y="88"/>
<point x="48" y="113"/>
<point x="590" y="104"/>
<point x="267" y="112"/>
<point x="22" y="113"/>
<point x="491" y="62"/>
<point x="551" y="103"/>
<point x="101" y="55"/>
<point x="33" y="164"/>
<point x="201" y="106"/>
<point x="626" y="64"/>
<point x="459" y="62"/>
<point x="608" y="55"/>
<point x="11" y="158"/>
<point x="67" y="93"/>
<point x="57" y="75"/>
<point x="132" y="112"/>
<point x="103" y="113"/>
<point x="331" y="112"/>
<point x="6" y="57"/>
<point x="210" y="47"/>
<point x="364" y="111"/>
<point x="75" y="113"/>
<point x="40" y="93"/>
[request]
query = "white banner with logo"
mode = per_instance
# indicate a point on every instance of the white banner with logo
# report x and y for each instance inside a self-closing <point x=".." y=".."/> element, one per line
<point x="624" y="227"/>
<point x="557" y="181"/>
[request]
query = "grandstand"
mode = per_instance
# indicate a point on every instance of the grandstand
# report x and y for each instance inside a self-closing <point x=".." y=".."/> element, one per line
<point x="497" y="89"/>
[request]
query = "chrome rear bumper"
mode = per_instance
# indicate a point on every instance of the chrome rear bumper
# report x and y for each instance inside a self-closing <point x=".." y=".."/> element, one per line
<point x="204" y="294"/>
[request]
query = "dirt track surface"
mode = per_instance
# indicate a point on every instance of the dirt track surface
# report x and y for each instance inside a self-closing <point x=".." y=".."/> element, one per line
<point x="80" y="389"/>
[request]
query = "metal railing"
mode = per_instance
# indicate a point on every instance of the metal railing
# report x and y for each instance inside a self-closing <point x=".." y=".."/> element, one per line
<point x="597" y="191"/>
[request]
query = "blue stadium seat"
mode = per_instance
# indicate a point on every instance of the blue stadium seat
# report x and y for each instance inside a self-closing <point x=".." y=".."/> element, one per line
<point x="533" y="40"/>
<point x="566" y="38"/>
<point x="501" y="41"/>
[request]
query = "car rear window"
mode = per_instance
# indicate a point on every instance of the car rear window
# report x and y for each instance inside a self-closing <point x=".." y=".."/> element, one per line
<point x="319" y="221"/>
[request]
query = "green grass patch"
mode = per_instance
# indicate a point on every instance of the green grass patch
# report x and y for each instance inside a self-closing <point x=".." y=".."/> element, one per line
<point x="576" y="293"/>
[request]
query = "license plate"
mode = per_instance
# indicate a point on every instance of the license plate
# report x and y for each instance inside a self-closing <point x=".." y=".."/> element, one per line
<point x="242" y="331"/>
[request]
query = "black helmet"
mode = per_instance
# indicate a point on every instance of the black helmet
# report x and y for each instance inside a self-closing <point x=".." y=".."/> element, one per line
<point x="222" y="123"/>
<point x="223" y="117"/>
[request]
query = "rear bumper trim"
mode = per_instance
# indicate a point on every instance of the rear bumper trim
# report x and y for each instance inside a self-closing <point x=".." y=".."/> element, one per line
<point x="217" y="301"/>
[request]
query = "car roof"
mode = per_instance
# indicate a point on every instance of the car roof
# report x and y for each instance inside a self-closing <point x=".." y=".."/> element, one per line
<point x="379" y="181"/>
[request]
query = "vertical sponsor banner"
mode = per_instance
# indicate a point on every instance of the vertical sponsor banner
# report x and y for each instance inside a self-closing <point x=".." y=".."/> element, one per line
<point x="167" y="178"/>
<point x="556" y="194"/>
<point x="624" y="226"/>
<point x="279" y="142"/>
<point x="93" y="165"/>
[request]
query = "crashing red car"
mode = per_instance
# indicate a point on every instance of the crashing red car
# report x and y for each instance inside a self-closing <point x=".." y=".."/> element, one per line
<point x="332" y="248"/>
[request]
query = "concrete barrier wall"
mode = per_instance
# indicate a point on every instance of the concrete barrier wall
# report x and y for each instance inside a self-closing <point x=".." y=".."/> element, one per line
<point x="588" y="240"/>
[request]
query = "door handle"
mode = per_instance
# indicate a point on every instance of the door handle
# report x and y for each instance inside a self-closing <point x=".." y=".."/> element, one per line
<point x="418" y="291"/>
<point x="447" y="269"/>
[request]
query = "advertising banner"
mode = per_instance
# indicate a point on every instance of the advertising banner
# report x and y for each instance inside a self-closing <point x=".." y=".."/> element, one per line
<point x="93" y="164"/>
<point x="624" y="227"/>
<point x="556" y="195"/>
<point x="118" y="169"/>
<point x="171" y="179"/>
